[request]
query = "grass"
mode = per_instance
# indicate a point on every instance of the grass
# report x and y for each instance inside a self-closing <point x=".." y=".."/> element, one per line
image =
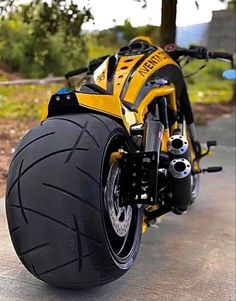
<point x="25" y="102"/>
<point x="208" y="85"/>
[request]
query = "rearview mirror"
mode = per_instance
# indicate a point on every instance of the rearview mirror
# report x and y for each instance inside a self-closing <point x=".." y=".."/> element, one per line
<point x="229" y="74"/>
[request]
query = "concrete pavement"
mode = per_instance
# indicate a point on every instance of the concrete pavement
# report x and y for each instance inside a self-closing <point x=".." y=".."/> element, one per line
<point x="190" y="257"/>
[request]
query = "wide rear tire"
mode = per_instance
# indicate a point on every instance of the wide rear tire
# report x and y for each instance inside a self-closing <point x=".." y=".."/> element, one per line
<point x="56" y="210"/>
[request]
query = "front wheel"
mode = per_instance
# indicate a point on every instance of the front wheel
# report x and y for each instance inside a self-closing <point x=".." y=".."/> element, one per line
<point x="62" y="202"/>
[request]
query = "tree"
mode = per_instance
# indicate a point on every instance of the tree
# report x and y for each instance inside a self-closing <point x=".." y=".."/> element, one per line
<point x="49" y="17"/>
<point x="168" y="19"/>
<point x="168" y="26"/>
<point x="54" y="41"/>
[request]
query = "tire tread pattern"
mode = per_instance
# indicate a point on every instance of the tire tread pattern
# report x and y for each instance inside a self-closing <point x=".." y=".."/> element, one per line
<point x="64" y="230"/>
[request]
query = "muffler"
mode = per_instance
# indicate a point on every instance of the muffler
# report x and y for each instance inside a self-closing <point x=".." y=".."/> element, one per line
<point x="178" y="147"/>
<point x="179" y="173"/>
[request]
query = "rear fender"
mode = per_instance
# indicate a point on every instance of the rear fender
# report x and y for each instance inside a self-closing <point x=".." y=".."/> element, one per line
<point x="73" y="102"/>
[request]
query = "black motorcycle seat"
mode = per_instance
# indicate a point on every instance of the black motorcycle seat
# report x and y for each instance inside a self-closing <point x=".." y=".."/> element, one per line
<point x="92" y="89"/>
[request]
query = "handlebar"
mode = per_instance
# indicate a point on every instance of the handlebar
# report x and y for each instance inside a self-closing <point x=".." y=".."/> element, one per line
<point x="194" y="51"/>
<point x="93" y="64"/>
<point x="220" y="55"/>
<point x="76" y="72"/>
<point x="200" y="53"/>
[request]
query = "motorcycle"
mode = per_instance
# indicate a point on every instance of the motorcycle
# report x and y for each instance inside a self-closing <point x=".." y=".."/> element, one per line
<point x="107" y="159"/>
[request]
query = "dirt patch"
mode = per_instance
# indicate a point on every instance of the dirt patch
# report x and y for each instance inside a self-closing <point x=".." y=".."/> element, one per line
<point x="8" y="74"/>
<point x="11" y="132"/>
<point x="206" y="112"/>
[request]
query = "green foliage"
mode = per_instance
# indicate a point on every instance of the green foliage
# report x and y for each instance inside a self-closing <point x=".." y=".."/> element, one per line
<point x="6" y="6"/>
<point x="45" y="37"/>
<point x="38" y="51"/>
<point x="13" y="38"/>
<point x="49" y="18"/>
<point x="208" y="84"/>
<point x="110" y="40"/>
<point x="23" y="52"/>
<point x="99" y="44"/>
<point x="210" y="75"/>
<point x="231" y="5"/>
<point x="128" y="32"/>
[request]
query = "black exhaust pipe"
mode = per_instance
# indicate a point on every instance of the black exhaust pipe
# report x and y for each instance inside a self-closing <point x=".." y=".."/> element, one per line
<point x="179" y="173"/>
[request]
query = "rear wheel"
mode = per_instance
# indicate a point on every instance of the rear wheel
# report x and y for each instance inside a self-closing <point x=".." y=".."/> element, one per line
<point x="62" y="202"/>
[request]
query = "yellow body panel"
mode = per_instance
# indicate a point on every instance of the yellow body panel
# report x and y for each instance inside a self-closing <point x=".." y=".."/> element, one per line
<point x="100" y="75"/>
<point x="44" y="110"/>
<point x="150" y="96"/>
<point x="122" y="71"/>
<point x="149" y="66"/>
<point x="109" y="104"/>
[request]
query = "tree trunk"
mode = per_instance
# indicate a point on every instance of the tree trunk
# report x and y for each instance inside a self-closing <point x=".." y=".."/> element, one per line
<point x="168" y="18"/>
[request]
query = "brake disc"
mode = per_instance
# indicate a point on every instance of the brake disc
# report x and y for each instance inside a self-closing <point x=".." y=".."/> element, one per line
<point x="120" y="217"/>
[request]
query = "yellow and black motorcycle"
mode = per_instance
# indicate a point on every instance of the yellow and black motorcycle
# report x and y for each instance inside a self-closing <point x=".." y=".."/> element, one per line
<point x="107" y="159"/>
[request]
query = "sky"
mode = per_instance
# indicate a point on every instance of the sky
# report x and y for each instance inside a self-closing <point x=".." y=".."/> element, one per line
<point x="106" y="11"/>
